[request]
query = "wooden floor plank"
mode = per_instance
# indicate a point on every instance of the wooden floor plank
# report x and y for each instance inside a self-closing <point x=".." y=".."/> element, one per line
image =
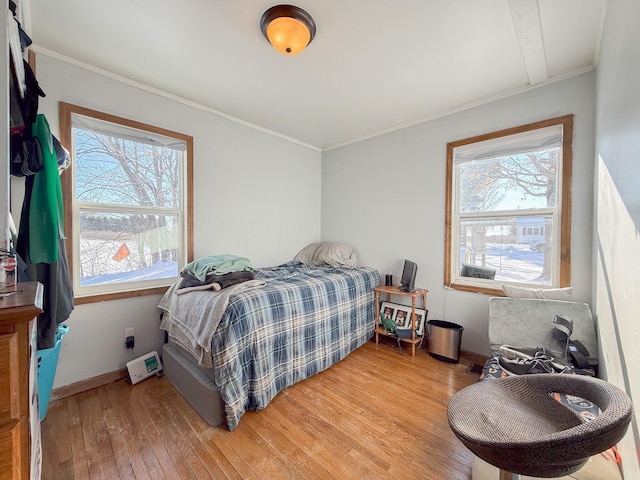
<point x="115" y="428"/>
<point x="99" y="416"/>
<point x="257" y="455"/>
<point x="78" y="445"/>
<point x="122" y="429"/>
<point x="137" y="406"/>
<point x="181" y="433"/>
<point x="210" y="438"/>
<point x="286" y="448"/>
<point x="143" y="456"/>
<point x="63" y="440"/>
<point x="223" y="440"/>
<point x="213" y="438"/>
<point x="50" y="432"/>
<point x="357" y="427"/>
<point x="94" y="459"/>
<point x="376" y="414"/>
<point x="303" y="432"/>
<point x="165" y="435"/>
<point x="175" y="404"/>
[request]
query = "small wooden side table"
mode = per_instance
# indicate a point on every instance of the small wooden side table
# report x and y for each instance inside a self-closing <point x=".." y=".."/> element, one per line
<point x="395" y="290"/>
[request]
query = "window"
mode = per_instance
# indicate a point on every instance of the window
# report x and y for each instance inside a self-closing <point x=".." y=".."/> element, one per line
<point x="127" y="196"/>
<point x="508" y="208"/>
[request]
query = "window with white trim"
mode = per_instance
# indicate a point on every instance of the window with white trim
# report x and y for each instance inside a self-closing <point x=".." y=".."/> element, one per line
<point x="127" y="196"/>
<point x="508" y="211"/>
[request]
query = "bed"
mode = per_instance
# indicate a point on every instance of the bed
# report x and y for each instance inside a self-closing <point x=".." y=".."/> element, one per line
<point x="291" y="322"/>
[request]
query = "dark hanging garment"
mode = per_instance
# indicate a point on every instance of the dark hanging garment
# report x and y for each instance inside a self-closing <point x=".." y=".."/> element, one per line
<point x="40" y="240"/>
<point x="58" y="297"/>
<point x="25" y="40"/>
<point x="22" y="242"/>
<point x="21" y="270"/>
<point x="30" y="101"/>
<point x="26" y="149"/>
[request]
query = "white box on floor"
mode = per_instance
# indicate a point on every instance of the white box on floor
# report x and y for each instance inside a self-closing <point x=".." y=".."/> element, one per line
<point x="144" y="367"/>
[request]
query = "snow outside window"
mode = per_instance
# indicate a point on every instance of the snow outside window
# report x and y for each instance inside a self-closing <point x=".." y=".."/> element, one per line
<point x="508" y="208"/>
<point x="127" y="189"/>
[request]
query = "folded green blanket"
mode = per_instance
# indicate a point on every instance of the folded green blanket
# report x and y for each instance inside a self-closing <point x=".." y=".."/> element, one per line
<point x="217" y="264"/>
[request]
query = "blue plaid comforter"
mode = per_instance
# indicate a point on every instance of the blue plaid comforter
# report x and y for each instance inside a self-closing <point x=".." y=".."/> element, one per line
<point x="301" y="322"/>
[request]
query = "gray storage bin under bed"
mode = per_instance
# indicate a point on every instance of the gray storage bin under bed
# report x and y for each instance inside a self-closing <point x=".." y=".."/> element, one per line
<point x="194" y="383"/>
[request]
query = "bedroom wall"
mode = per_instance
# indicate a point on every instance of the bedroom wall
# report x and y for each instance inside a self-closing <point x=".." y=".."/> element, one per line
<point x="617" y="209"/>
<point x="255" y="194"/>
<point x="386" y="195"/>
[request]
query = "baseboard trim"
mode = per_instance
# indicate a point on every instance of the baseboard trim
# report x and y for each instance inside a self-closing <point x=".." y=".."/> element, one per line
<point x="466" y="355"/>
<point x="473" y="357"/>
<point x="88" y="384"/>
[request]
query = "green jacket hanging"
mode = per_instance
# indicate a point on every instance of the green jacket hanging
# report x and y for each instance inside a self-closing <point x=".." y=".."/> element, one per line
<point x="46" y="215"/>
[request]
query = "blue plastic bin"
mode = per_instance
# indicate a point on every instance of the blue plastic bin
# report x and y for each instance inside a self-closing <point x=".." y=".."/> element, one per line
<point x="47" y="359"/>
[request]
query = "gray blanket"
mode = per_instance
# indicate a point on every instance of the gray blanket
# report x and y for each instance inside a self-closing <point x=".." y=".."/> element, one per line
<point x="192" y="318"/>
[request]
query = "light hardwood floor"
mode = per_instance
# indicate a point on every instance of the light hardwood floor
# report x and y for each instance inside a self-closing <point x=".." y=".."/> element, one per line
<point x="376" y="414"/>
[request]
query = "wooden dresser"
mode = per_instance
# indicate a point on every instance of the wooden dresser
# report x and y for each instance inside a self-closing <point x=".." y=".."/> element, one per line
<point x="20" y="451"/>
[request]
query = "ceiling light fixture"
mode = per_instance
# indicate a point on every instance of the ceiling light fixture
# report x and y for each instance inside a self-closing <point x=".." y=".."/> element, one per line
<point x="289" y="29"/>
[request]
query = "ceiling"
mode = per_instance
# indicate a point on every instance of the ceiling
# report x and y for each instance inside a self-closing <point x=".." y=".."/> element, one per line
<point x="374" y="65"/>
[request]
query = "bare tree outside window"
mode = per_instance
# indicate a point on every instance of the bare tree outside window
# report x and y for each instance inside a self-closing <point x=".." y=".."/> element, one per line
<point x="504" y="223"/>
<point x="535" y="173"/>
<point x="112" y="170"/>
<point x="129" y="198"/>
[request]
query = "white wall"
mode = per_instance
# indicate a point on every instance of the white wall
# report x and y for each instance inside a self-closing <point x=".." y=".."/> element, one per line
<point x="256" y="195"/>
<point x="386" y="195"/>
<point x="617" y="209"/>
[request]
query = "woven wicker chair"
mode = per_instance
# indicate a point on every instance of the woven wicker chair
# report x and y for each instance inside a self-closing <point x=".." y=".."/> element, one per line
<point x="515" y="424"/>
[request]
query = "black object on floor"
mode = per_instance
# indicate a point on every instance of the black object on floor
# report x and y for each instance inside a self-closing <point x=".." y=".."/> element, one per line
<point x="475" y="368"/>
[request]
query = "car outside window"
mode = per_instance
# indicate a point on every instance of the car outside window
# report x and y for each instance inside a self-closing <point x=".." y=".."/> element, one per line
<point x="508" y="210"/>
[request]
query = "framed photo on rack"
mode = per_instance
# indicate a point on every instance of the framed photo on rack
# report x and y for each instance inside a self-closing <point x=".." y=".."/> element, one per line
<point x="421" y="319"/>
<point x="388" y="310"/>
<point x="401" y="314"/>
<point x="402" y="317"/>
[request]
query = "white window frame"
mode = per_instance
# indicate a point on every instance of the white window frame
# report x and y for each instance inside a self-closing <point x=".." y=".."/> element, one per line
<point x="561" y="234"/>
<point x="86" y="294"/>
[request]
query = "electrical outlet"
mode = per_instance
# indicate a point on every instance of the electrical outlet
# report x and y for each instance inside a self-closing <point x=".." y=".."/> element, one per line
<point x="129" y="332"/>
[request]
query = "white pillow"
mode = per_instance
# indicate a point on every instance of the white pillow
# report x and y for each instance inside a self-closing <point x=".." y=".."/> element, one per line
<point x="306" y="254"/>
<point x="565" y="293"/>
<point x="335" y="254"/>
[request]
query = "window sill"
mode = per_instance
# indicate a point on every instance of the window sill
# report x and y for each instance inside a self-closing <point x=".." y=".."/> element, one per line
<point x="496" y="292"/>
<point x="119" y="295"/>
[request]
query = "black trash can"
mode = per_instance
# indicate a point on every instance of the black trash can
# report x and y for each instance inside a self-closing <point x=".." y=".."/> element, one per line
<point x="445" y="339"/>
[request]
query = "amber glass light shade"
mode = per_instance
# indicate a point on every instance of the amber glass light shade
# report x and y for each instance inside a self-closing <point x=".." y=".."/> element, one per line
<point x="289" y="29"/>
